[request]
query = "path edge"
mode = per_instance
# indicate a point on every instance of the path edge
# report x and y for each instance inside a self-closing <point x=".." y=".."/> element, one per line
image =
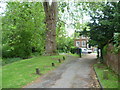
<point x="98" y="79"/>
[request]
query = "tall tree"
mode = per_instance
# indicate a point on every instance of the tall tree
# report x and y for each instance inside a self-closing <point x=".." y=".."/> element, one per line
<point x="50" y="13"/>
<point x="105" y="22"/>
<point x="23" y="29"/>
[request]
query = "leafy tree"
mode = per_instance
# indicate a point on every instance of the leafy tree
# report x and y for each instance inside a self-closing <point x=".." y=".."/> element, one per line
<point x="117" y="43"/>
<point x="104" y="24"/>
<point x="64" y="42"/>
<point x="23" y="29"/>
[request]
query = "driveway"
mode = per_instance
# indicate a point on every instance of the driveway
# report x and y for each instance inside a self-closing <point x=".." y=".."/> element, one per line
<point x="75" y="72"/>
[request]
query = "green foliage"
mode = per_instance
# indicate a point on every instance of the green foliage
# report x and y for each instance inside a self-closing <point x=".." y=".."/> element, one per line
<point x="117" y="43"/>
<point x="9" y="60"/>
<point x="73" y="54"/>
<point x="64" y="42"/>
<point x="105" y="50"/>
<point x="23" y="29"/>
<point x="73" y="50"/>
<point x="103" y="25"/>
<point x="0" y="78"/>
<point x="81" y="27"/>
<point x="6" y="51"/>
<point x="112" y="81"/>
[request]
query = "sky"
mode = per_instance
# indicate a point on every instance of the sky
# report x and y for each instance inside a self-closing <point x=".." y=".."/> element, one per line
<point x="2" y="7"/>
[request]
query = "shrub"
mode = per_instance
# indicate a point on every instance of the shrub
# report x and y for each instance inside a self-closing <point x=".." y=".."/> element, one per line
<point x="7" y="51"/>
<point x="105" y="50"/>
<point x="9" y="60"/>
<point x="116" y="43"/>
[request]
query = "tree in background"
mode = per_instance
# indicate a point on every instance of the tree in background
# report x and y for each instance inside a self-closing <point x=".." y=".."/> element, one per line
<point x="105" y="22"/>
<point x="64" y="42"/>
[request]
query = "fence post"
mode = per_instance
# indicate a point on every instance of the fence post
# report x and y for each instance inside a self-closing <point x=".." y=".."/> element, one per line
<point x="59" y="60"/>
<point x="37" y="71"/>
<point x="63" y="58"/>
<point x="53" y="64"/>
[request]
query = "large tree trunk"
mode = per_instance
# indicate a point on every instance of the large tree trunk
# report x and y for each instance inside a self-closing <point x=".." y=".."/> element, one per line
<point x="50" y="13"/>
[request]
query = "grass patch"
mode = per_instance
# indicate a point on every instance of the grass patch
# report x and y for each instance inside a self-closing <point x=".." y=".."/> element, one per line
<point x="20" y="73"/>
<point x="112" y="81"/>
<point x="76" y="54"/>
<point x="0" y="73"/>
<point x="0" y="77"/>
<point x="73" y="54"/>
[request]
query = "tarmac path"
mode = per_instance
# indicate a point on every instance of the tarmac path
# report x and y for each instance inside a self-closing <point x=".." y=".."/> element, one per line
<point x="75" y="72"/>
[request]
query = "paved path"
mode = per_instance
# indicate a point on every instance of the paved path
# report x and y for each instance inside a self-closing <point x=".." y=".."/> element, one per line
<point x="74" y="73"/>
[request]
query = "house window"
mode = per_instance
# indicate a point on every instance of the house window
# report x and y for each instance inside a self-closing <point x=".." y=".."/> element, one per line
<point x="83" y="43"/>
<point x="77" y="43"/>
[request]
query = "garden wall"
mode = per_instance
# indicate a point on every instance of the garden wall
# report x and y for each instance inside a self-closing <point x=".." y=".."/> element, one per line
<point x="111" y="59"/>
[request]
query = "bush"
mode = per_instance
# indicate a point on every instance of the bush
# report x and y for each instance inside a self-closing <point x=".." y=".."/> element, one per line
<point x="16" y="51"/>
<point x="116" y="43"/>
<point x="0" y="51"/>
<point x="7" y="51"/>
<point x="73" y="50"/>
<point x="105" y="50"/>
<point x="9" y="60"/>
<point x="22" y="51"/>
<point x="35" y="54"/>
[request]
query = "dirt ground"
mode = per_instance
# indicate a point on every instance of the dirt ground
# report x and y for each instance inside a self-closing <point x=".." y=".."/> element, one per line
<point x="73" y="73"/>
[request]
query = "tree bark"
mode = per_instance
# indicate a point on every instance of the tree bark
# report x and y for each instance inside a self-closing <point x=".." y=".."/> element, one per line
<point x="50" y="13"/>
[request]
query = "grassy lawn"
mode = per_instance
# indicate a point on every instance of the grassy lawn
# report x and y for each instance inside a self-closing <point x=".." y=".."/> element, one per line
<point x="20" y="73"/>
<point x="82" y="55"/>
<point x="0" y="77"/>
<point x="73" y="54"/>
<point x="0" y="73"/>
<point x="112" y="81"/>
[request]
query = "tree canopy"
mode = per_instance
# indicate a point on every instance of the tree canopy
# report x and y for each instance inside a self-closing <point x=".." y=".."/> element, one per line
<point x="22" y="23"/>
<point x="33" y="27"/>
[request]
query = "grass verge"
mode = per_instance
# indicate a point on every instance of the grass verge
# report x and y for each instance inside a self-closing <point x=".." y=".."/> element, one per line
<point x="0" y="77"/>
<point x="20" y="73"/>
<point x="112" y="81"/>
<point x="0" y="73"/>
<point x="73" y="54"/>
